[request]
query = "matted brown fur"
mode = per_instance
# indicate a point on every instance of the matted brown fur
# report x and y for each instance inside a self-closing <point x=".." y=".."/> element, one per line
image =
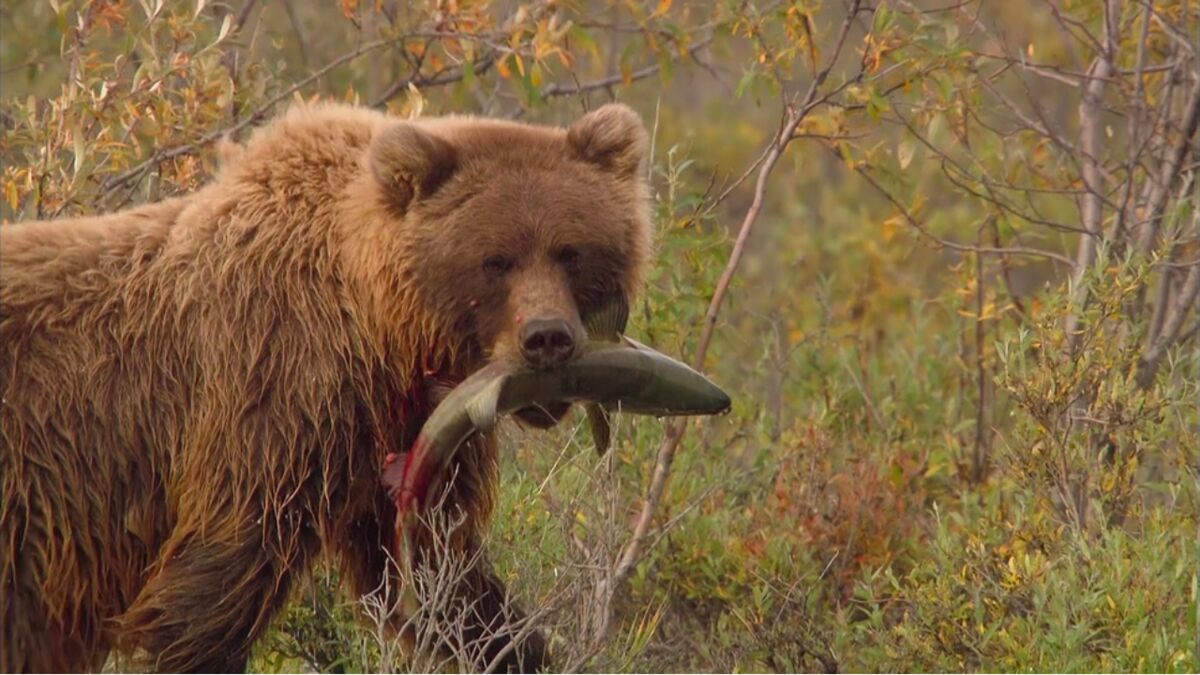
<point x="198" y="394"/>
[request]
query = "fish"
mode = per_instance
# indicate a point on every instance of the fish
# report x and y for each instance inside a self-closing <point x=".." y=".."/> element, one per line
<point x="614" y="373"/>
<point x="607" y="324"/>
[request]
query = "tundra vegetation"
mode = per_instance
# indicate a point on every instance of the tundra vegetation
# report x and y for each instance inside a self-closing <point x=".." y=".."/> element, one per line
<point x="945" y="256"/>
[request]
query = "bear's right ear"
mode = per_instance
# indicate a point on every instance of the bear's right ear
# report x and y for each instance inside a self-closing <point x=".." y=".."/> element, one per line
<point x="410" y="163"/>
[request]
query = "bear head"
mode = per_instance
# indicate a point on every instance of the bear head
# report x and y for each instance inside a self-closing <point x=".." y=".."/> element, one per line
<point x="507" y="236"/>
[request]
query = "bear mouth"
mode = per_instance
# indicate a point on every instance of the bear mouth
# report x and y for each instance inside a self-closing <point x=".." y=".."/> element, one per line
<point x="543" y="416"/>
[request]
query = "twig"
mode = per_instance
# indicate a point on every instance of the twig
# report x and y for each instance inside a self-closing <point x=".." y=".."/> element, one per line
<point x="448" y="76"/>
<point x="1170" y="173"/>
<point x="965" y="248"/>
<point x="120" y="179"/>
<point x="301" y="42"/>
<point x="1133" y="126"/>
<point x="243" y="15"/>
<point x="557" y="89"/>
<point x="981" y="435"/>
<point x="1006" y="275"/>
<point x="1172" y="323"/>
<point x="136" y="171"/>
<point x="861" y="386"/>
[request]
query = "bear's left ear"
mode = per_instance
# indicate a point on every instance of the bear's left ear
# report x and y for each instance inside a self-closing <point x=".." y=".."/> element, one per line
<point x="612" y="136"/>
<point x="410" y="163"/>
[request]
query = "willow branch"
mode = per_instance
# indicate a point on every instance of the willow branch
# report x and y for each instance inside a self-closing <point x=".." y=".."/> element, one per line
<point x="558" y="89"/>
<point x="136" y="171"/>
<point x="917" y="225"/>
<point x="792" y="117"/>
<point x="1092" y="210"/>
<point x="1172" y="324"/>
<point x="1170" y="173"/>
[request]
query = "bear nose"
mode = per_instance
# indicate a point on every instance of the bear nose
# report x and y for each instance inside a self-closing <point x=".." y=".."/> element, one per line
<point x="546" y="342"/>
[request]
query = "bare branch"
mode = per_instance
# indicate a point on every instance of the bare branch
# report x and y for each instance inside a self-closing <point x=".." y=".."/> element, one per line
<point x="135" y="172"/>
<point x="257" y="114"/>
<point x="1170" y="173"/>
<point x="444" y="77"/>
<point x="966" y="248"/>
<point x="1172" y="323"/>
<point x="558" y="89"/>
<point x="301" y="41"/>
<point x="1090" y="128"/>
<point x="982" y="435"/>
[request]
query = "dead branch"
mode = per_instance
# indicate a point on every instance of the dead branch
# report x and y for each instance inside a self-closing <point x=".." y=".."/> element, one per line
<point x="1172" y="323"/>
<point x="1170" y="174"/>
<point x="1090" y="129"/>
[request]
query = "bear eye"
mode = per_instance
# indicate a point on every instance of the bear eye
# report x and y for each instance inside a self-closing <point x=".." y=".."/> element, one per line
<point x="496" y="264"/>
<point x="567" y="255"/>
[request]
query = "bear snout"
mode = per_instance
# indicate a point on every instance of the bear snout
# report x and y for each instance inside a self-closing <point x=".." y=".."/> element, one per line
<point x="546" y="343"/>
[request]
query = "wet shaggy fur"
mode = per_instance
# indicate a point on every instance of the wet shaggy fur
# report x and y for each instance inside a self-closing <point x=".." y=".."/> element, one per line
<point x="197" y="395"/>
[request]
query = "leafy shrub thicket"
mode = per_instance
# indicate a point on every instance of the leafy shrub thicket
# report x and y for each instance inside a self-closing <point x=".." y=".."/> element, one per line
<point x="962" y="341"/>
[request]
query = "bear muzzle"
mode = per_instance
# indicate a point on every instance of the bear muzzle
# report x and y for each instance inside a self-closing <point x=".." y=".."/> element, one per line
<point x="546" y="343"/>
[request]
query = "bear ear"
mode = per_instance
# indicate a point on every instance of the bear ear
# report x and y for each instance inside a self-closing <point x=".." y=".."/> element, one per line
<point x="611" y="136"/>
<point x="410" y="163"/>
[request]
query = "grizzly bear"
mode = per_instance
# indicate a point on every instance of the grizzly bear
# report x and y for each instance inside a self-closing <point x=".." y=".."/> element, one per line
<point x="198" y="394"/>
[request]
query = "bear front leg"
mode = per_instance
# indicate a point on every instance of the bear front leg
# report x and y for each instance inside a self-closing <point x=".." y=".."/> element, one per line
<point x="471" y="618"/>
<point x="212" y="593"/>
<point x="492" y="623"/>
<point x="484" y="622"/>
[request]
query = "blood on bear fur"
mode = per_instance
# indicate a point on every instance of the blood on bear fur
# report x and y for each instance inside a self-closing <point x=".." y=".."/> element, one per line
<point x="197" y="394"/>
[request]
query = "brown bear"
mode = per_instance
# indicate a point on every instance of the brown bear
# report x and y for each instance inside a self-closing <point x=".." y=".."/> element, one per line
<point x="198" y="394"/>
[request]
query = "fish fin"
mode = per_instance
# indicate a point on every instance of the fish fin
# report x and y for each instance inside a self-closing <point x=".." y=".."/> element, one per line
<point x="601" y="428"/>
<point x="608" y="322"/>
<point x="482" y="408"/>
<point x="438" y="388"/>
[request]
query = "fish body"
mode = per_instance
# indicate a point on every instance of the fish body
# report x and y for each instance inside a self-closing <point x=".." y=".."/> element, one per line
<point x="621" y="375"/>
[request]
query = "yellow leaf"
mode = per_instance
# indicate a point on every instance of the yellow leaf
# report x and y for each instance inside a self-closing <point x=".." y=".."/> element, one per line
<point x="78" y="147"/>
<point x="893" y="225"/>
<point x="904" y="153"/>
<point x="918" y="205"/>
<point x="10" y="194"/>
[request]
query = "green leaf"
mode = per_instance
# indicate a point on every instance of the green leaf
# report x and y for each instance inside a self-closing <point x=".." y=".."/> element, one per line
<point x="468" y="73"/>
<point x="883" y="19"/>
<point x="581" y="39"/>
<point x="936" y="125"/>
<point x="745" y="83"/>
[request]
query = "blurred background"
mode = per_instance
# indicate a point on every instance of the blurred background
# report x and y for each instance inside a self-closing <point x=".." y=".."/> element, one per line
<point x="961" y="335"/>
